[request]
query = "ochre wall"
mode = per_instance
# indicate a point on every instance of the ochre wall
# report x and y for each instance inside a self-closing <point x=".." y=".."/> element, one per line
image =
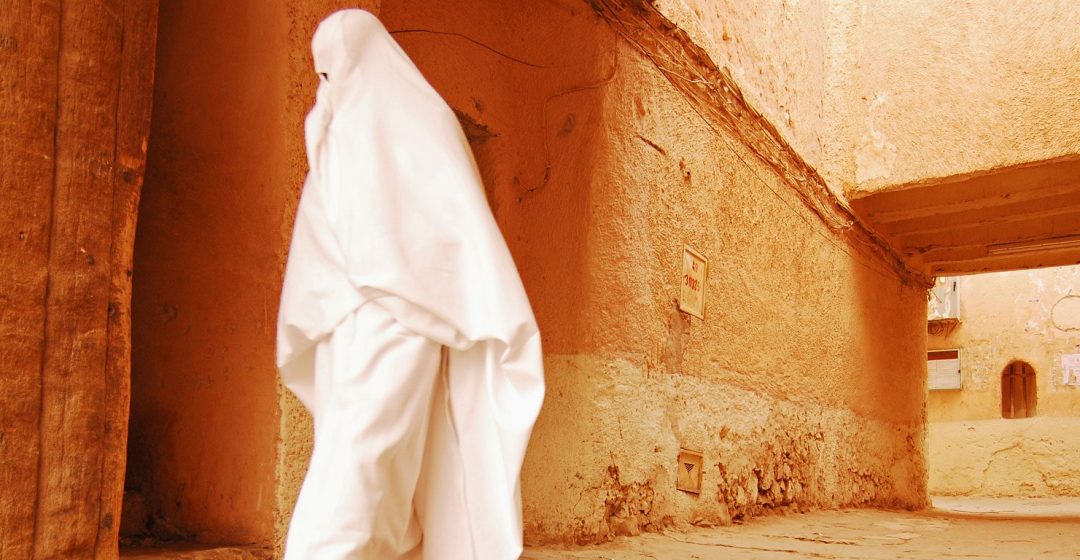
<point x="1030" y="457"/>
<point x="878" y="93"/>
<point x="945" y="88"/>
<point x="1032" y="316"/>
<point x="226" y="165"/>
<point x="805" y="383"/>
<point x="1029" y="315"/>
<point x="783" y="55"/>
<point x="804" y="386"/>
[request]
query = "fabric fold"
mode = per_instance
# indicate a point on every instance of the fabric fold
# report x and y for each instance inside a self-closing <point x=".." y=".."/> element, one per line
<point x="393" y="212"/>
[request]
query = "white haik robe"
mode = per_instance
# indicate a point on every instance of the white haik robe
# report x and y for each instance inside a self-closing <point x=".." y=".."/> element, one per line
<point x="403" y="326"/>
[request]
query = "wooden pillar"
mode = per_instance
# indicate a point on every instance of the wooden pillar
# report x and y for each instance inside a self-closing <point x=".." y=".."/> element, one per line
<point x="75" y="93"/>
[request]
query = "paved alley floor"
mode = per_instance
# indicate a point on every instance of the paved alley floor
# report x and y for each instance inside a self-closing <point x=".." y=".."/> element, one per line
<point x="1012" y="529"/>
<point x="970" y="529"/>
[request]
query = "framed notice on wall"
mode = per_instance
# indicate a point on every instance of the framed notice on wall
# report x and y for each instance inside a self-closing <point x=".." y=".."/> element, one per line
<point x="692" y="283"/>
<point x="943" y="370"/>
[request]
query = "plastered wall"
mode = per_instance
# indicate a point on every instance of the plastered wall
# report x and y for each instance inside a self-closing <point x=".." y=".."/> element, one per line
<point x="949" y="88"/>
<point x="1029" y="315"/>
<point x="1032" y="316"/>
<point x="226" y="164"/>
<point x="879" y="94"/>
<point x="202" y="429"/>
<point x="804" y="386"/>
<point x="786" y="57"/>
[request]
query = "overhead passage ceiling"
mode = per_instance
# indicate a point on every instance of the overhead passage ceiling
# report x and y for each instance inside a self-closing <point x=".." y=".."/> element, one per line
<point x="1018" y="217"/>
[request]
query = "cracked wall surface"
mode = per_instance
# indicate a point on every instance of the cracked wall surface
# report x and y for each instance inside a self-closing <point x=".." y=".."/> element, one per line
<point x="1026" y="315"/>
<point x="1028" y="457"/>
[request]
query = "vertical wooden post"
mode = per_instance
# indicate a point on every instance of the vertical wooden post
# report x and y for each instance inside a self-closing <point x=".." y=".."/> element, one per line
<point x="29" y="42"/>
<point x="74" y="119"/>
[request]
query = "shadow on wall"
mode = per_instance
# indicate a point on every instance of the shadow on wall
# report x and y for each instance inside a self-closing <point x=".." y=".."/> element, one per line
<point x="527" y="80"/>
<point x="203" y="422"/>
<point x="525" y="83"/>
<point x="888" y="377"/>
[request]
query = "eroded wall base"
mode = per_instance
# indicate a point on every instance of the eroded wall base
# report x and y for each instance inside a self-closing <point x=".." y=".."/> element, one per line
<point x="603" y="460"/>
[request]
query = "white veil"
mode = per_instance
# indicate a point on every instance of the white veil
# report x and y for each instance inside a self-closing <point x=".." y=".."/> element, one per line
<point x="394" y="210"/>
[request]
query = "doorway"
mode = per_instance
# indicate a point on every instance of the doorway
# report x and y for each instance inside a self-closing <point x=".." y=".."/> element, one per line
<point x="1018" y="390"/>
<point x="204" y="410"/>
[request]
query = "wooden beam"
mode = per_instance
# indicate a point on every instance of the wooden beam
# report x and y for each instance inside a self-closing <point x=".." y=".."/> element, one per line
<point x="133" y="108"/>
<point x="974" y="191"/>
<point x="1029" y="230"/>
<point x="1003" y="262"/>
<point x="1030" y="209"/>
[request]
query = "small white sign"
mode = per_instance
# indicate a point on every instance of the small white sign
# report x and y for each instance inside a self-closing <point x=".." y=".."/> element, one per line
<point x="943" y="370"/>
<point x="1070" y="367"/>
<point x="692" y="291"/>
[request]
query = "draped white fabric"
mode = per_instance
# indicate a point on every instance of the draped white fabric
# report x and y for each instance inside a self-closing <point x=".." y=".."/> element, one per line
<point x="396" y="261"/>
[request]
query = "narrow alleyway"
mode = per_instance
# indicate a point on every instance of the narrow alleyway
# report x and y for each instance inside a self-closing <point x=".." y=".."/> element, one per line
<point x="1012" y="529"/>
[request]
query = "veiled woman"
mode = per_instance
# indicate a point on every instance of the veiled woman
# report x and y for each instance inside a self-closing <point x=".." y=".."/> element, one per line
<point x="404" y="327"/>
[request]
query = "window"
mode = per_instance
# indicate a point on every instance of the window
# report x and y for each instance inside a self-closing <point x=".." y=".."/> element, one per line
<point x="943" y="369"/>
<point x="1018" y="395"/>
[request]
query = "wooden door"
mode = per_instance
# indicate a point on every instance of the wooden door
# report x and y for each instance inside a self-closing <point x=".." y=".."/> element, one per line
<point x="1018" y="391"/>
<point x="75" y="93"/>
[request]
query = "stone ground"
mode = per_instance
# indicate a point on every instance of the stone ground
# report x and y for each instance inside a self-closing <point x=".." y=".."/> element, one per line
<point x="956" y="528"/>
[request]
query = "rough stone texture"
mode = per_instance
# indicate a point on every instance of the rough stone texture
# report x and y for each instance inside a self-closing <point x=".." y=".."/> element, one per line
<point x="1031" y="316"/>
<point x="74" y="116"/>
